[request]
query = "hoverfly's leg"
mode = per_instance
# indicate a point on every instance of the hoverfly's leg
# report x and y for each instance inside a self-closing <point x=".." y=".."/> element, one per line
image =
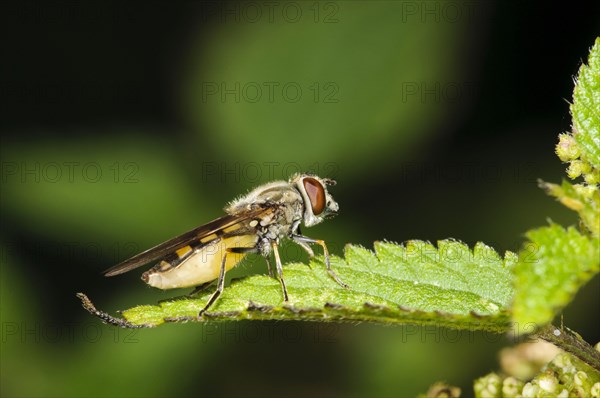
<point x="269" y="268"/>
<point x="302" y="244"/>
<point x="279" y="270"/>
<point x="199" y="288"/>
<point x="308" y="249"/>
<point x="304" y="239"/>
<point x="220" y="284"/>
<point x="255" y="249"/>
<point x="243" y="250"/>
<point x="221" y="280"/>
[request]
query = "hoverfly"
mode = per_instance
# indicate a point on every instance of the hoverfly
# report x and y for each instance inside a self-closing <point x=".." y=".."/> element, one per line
<point x="255" y="223"/>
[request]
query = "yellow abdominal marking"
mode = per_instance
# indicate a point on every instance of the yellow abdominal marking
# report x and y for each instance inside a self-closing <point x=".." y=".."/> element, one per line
<point x="203" y="265"/>
<point x="208" y="238"/>
<point x="231" y="228"/>
<point x="183" y="251"/>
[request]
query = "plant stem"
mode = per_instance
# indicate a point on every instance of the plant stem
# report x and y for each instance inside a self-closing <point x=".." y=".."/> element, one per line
<point x="571" y="342"/>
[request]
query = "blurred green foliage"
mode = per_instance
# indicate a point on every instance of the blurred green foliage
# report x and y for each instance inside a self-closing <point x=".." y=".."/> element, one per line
<point x="311" y="93"/>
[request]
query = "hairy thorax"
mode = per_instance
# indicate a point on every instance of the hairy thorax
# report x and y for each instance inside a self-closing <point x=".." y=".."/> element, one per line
<point x="287" y="206"/>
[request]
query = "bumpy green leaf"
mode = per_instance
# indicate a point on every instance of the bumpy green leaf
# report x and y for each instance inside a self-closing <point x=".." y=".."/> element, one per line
<point x="586" y="108"/>
<point x="417" y="283"/>
<point x="581" y="149"/>
<point x="551" y="269"/>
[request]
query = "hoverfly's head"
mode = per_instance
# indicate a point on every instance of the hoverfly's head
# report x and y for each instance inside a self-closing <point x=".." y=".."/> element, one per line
<point x="318" y="203"/>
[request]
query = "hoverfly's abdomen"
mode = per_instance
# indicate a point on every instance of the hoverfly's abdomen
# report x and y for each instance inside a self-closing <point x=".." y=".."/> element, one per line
<point x="198" y="266"/>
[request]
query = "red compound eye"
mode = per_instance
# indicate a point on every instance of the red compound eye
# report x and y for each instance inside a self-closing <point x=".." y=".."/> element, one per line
<point x="316" y="194"/>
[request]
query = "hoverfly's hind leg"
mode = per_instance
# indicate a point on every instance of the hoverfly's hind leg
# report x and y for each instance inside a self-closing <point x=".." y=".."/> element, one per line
<point x="196" y="290"/>
<point x="220" y="284"/>
<point x="279" y="268"/>
<point x="221" y="279"/>
<point x="199" y="288"/>
<point x="304" y="240"/>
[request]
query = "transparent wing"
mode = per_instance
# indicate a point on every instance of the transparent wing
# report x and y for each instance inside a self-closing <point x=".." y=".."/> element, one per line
<point x="225" y="224"/>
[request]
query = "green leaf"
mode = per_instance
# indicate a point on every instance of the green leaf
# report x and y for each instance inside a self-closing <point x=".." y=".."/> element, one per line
<point x="416" y="283"/>
<point x="551" y="269"/>
<point x="585" y="200"/>
<point x="585" y="109"/>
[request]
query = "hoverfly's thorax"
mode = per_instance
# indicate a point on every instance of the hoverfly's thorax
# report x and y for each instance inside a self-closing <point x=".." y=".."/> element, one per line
<point x="283" y="198"/>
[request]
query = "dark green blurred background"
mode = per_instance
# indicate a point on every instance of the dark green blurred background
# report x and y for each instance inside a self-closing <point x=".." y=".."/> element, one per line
<point x="126" y="124"/>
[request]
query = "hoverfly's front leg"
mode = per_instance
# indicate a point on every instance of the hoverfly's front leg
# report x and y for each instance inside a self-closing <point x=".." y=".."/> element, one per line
<point x="221" y="280"/>
<point x="279" y="268"/>
<point x="308" y="249"/>
<point x="304" y="240"/>
<point x="303" y="244"/>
